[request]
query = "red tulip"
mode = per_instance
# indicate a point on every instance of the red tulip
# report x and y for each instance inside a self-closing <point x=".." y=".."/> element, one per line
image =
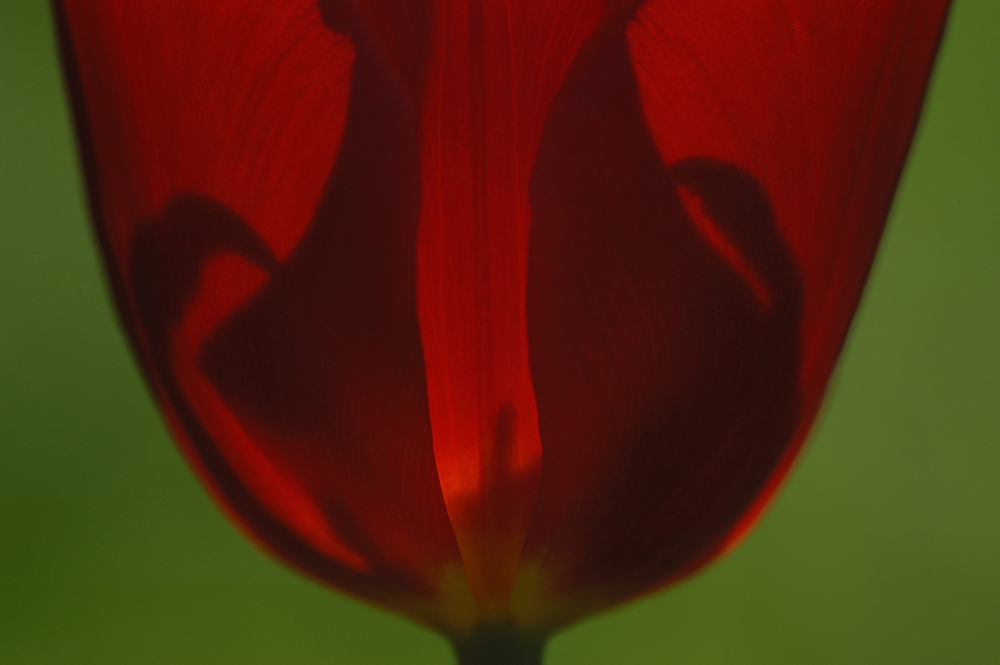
<point x="494" y="313"/>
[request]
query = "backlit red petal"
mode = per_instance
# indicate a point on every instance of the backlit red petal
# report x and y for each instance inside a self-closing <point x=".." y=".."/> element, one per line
<point x="711" y="185"/>
<point x="256" y="182"/>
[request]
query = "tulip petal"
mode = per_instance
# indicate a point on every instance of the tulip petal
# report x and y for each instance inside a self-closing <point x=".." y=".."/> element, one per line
<point x="710" y="188"/>
<point x="493" y="70"/>
<point x="255" y="179"/>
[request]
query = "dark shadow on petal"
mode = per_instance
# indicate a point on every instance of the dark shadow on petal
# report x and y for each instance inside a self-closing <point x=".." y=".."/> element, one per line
<point x="324" y="365"/>
<point x="167" y="257"/>
<point x="666" y="389"/>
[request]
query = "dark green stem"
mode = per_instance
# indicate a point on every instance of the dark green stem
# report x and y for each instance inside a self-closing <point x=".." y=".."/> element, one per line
<point x="499" y="644"/>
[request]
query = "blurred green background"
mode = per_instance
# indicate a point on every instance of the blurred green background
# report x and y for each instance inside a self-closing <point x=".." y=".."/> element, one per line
<point x="883" y="547"/>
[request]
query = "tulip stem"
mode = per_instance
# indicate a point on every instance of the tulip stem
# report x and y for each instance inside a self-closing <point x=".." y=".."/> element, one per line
<point x="500" y="644"/>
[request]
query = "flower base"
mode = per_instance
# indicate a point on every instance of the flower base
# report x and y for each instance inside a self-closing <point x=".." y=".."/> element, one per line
<point x="500" y="644"/>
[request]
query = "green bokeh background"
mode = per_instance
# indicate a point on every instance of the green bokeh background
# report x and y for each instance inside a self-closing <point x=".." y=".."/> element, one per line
<point x="883" y="547"/>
